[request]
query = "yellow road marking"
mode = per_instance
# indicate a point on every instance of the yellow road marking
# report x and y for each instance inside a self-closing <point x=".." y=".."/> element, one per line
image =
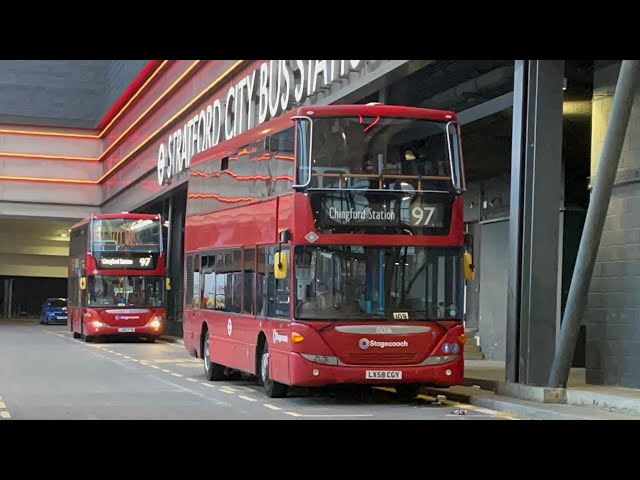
<point x="2" y="405"/>
<point x="153" y="366"/>
<point x="226" y="390"/>
<point x="233" y="389"/>
<point x="209" y="385"/>
<point x="430" y="398"/>
<point x="166" y="371"/>
<point x="177" y="374"/>
<point x="244" y="397"/>
<point x="466" y="406"/>
<point x="248" y="389"/>
<point x="272" y="407"/>
<point x="387" y="389"/>
<point x="5" y="414"/>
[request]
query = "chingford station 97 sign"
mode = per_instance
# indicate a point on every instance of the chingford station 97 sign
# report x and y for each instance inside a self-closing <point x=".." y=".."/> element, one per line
<point x="262" y="94"/>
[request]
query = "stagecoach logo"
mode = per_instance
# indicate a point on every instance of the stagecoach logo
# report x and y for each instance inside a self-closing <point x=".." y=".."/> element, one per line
<point x="366" y="214"/>
<point x="277" y="338"/>
<point x="262" y="94"/>
<point x="366" y="343"/>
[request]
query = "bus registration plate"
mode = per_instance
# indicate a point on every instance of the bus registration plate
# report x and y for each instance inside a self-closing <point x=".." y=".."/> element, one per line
<point x="126" y="329"/>
<point x="384" y="374"/>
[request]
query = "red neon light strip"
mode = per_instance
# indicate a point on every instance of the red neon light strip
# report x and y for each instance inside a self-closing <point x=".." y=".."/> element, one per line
<point x="133" y="87"/>
<point x="146" y="74"/>
<point x="239" y="177"/>
<point x="144" y="142"/>
<point x="48" y="157"/>
<point x="219" y="198"/>
<point x="374" y="122"/>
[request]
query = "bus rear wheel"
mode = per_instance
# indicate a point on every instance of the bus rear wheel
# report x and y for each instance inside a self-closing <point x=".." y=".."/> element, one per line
<point x="212" y="371"/>
<point x="272" y="388"/>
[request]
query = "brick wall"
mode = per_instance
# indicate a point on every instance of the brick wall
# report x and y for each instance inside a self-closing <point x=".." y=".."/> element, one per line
<point x="613" y="314"/>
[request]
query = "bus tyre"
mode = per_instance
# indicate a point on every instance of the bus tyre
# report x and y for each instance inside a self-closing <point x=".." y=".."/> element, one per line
<point x="272" y="388"/>
<point x="212" y="371"/>
<point x="76" y="335"/>
<point x="407" y="391"/>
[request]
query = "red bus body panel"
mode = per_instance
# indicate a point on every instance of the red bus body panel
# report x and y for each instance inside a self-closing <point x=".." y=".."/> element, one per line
<point x="114" y="318"/>
<point x="234" y="337"/>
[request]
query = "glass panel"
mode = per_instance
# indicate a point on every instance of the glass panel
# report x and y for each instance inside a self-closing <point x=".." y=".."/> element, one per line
<point x="367" y="282"/>
<point x="126" y="291"/>
<point x="380" y="153"/>
<point x="126" y="234"/>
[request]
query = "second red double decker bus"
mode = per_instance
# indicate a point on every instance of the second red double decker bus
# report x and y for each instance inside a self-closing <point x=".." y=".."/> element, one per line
<point x="117" y="276"/>
<point x="326" y="246"/>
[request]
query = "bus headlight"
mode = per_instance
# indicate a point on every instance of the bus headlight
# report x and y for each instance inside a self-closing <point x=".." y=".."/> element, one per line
<point x="155" y="322"/>
<point x="323" y="359"/>
<point x="98" y="324"/>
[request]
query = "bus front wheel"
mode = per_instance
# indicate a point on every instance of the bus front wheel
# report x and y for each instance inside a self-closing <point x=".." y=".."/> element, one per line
<point x="272" y="388"/>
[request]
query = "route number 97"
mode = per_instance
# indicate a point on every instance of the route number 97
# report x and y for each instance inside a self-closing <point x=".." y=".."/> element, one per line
<point x="145" y="261"/>
<point x="421" y="215"/>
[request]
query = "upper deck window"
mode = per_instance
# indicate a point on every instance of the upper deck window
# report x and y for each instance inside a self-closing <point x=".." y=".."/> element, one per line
<point x="382" y="153"/>
<point x="126" y="234"/>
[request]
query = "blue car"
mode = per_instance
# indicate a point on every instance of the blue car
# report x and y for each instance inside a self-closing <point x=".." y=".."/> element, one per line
<point x="54" y="310"/>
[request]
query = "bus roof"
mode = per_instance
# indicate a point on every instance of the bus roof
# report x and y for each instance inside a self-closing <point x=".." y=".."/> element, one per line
<point x="121" y="215"/>
<point x="281" y="122"/>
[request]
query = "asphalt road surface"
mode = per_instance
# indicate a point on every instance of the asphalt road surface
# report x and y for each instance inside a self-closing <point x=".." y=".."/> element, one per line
<point x="47" y="374"/>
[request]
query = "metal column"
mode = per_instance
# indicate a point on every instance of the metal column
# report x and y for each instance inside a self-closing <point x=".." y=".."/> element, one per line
<point x="536" y="160"/>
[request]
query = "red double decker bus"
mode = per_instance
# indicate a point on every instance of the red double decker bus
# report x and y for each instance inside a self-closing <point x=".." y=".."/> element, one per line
<point x="116" y="276"/>
<point x="326" y="246"/>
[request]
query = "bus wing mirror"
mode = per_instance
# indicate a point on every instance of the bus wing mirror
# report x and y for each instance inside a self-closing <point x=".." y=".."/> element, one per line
<point x="83" y="283"/>
<point x="468" y="266"/>
<point x="280" y="265"/>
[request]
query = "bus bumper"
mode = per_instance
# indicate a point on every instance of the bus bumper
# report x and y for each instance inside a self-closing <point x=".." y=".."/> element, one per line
<point x="305" y="373"/>
<point x="105" y="329"/>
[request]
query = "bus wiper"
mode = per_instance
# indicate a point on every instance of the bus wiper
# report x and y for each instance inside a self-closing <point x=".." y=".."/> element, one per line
<point x="442" y="327"/>
<point x="331" y="324"/>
